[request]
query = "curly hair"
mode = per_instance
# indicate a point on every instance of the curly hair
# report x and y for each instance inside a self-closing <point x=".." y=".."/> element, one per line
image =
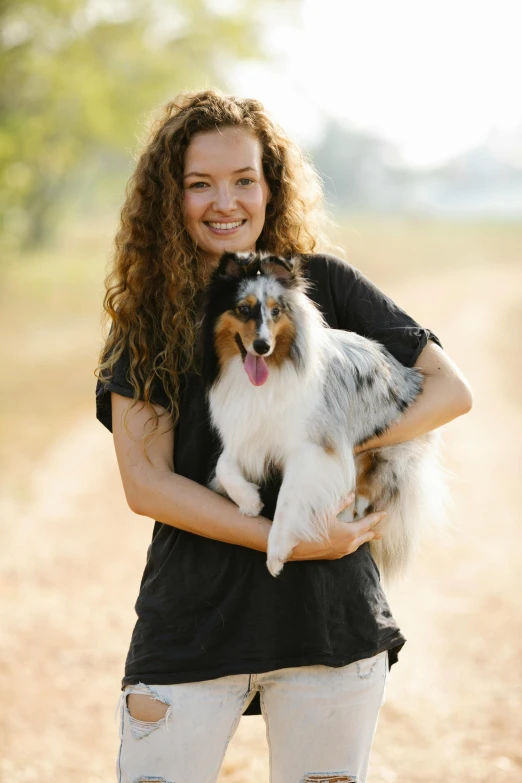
<point x="153" y="287"/>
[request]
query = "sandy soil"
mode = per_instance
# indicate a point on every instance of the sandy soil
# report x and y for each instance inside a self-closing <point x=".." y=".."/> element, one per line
<point x="72" y="555"/>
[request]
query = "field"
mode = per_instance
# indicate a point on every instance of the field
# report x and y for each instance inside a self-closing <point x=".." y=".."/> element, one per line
<point x="72" y="552"/>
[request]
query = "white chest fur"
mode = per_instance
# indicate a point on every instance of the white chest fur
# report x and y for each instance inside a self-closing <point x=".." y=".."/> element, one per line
<point x="261" y="423"/>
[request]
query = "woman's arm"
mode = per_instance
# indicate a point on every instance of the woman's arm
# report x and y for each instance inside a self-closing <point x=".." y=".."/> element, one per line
<point x="446" y="395"/>
<point x="153" y="490"/>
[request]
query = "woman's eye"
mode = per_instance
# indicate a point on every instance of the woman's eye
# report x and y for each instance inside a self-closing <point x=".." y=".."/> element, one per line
<point x="196" y="185"/>
<point x="245" y="181"/>
<point x="275" y="312"/>
<point x="243" y="310"/>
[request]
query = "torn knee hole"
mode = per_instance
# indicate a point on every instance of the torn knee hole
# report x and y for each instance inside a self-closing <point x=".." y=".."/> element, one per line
<point x="151" y="780"/>
<point x="146" y="708"/>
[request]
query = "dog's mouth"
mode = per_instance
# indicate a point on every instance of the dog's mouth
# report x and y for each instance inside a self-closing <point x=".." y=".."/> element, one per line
<point x="255" y="366"/>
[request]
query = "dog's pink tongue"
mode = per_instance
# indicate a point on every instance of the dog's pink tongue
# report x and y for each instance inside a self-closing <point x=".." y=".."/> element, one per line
<point x="256" y="369"/>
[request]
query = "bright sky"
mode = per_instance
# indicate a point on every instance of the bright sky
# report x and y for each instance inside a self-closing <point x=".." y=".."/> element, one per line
<point x="434" y="76"/>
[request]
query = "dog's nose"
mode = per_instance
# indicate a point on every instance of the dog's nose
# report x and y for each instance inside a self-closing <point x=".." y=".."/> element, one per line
<point x="261" y="346"/>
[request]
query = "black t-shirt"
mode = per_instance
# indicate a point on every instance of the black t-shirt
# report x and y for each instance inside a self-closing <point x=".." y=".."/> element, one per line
<point x="206" y="608"/>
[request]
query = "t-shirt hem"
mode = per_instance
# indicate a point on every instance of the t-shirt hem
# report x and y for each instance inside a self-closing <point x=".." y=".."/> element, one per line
<point x="393" y="646"/>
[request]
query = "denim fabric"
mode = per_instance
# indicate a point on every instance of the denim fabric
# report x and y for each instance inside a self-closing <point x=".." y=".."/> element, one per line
<point x="320" y="724"/>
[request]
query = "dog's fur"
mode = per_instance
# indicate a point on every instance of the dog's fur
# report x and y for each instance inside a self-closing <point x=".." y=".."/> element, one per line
<point x="327" y="391"/>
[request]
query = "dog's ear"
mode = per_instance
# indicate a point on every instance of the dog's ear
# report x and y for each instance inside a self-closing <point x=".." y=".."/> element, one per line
<point x="234" y="264"/>
<point x="286" y="269"/>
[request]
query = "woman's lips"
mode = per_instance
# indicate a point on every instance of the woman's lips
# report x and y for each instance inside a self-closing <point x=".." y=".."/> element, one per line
<point x="224" y="226"/>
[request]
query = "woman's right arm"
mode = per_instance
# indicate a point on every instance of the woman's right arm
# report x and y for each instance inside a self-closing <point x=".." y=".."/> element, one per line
<point x="153" y="489"/>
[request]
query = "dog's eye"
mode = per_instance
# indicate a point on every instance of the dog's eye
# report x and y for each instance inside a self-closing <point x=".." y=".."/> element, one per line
<point x="275" y="312"/>
<point x="243" y="309"/>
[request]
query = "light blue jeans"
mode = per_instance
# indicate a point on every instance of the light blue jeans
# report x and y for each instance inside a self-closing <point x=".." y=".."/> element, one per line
<point x="320" y="723"/>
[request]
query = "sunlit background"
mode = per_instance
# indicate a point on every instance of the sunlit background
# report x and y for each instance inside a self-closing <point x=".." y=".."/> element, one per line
<point x="411" y="112"/>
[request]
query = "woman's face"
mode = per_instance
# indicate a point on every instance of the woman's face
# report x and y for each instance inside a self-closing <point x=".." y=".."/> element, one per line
<point x="225" y="191"/>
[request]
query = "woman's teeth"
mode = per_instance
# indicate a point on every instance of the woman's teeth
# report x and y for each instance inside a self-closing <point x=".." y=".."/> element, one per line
<point x="236" y="224"/>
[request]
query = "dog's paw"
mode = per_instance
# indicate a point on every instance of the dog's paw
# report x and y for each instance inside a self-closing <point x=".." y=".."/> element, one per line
<point x="274" y="565"/>
<point x="249" y="501"/>
<point x="278" y="551"/>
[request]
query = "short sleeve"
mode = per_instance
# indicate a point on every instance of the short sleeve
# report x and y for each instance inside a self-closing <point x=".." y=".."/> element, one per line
<point x="121" y="384"/>
<point x="365" y="309"/>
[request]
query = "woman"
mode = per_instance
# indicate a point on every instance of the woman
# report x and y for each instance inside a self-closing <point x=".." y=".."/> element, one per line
<point x="216" y="635"/>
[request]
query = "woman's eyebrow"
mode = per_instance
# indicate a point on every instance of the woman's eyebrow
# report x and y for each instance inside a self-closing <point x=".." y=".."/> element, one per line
<point x="237" y="171"/>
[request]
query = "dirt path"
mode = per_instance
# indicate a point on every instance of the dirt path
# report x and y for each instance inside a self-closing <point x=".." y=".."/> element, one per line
<point x="73" y="553"/>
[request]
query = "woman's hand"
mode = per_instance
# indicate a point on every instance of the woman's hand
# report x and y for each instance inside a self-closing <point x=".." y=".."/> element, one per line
<point x="345" y="537"/>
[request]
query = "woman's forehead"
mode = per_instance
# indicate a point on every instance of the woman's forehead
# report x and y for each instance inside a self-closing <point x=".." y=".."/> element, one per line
<point x="230" y="150"/>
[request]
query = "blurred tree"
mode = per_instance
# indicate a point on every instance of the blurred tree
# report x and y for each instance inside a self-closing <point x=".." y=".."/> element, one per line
<point x="76" y="75"/>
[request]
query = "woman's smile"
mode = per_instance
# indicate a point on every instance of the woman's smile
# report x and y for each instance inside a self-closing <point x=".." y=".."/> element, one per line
<point x="220" y="227"/>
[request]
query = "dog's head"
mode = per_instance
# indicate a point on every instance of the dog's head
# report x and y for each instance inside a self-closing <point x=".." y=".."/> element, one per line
<point x="249" y="310"/>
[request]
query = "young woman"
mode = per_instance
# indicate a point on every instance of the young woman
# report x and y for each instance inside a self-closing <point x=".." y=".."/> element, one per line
<point x="217" y="635"/>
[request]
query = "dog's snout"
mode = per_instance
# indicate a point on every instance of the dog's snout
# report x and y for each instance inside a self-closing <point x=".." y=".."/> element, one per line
<point x="261" y="346"/>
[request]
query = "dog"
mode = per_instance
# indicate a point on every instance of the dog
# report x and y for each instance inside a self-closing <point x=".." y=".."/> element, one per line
<point x="287" y="392"/>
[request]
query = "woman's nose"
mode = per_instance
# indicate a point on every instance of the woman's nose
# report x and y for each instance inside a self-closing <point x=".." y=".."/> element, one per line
<point x="225" y="199"/>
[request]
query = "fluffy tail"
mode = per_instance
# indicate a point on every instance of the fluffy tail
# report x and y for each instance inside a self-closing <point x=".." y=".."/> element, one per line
<point x="412" y="486"/>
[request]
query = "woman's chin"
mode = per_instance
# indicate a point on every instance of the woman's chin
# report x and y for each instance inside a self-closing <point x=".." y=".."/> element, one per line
<point x="215" y="250"/>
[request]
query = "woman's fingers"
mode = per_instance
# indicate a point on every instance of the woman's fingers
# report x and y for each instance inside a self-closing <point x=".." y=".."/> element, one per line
<point x="344" y="538"/>
<point x="362" y="531"/>
<point x="363" y="538"/>
<point x="366" y="523"/>
<point x="370" y="536"/>
<point x="357" y="542"/>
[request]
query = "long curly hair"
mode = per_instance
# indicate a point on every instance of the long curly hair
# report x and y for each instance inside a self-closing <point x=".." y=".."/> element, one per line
<point x="156" y="277"/>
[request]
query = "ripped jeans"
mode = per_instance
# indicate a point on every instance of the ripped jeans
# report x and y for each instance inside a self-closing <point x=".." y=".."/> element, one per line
<point x="320" y="723"/>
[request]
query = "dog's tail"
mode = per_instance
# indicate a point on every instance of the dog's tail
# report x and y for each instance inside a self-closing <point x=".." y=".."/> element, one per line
<point x="417" y="506"/>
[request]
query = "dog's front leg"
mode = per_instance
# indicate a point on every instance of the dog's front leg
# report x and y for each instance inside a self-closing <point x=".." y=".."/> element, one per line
<point x="241" y="491"/>
<point x="314" y="481"/>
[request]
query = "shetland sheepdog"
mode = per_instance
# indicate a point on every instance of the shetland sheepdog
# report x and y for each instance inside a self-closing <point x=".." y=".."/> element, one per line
<point x="286" y="391"/>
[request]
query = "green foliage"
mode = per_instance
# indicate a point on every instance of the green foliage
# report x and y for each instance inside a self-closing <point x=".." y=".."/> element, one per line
<point x="79" y="76"/>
